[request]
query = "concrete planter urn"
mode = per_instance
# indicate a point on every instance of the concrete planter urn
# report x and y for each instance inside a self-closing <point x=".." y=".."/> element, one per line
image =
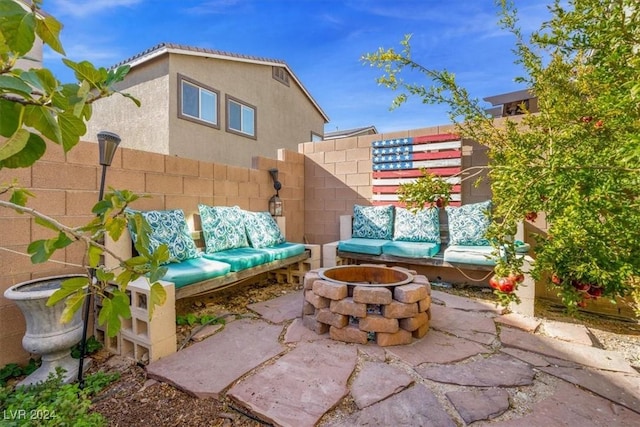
<point x="45" y="335"/>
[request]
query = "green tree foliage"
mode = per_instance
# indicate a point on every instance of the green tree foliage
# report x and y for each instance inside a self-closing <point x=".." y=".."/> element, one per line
<point x="35" y="106"/>
<point x="577" y="159"/>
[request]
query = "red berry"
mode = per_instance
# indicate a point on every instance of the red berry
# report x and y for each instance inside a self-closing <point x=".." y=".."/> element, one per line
<point x="516" y="277"/>
<point x="493" y="282"/>
<point x="595" y="291"/>
<point x="599" y="124"/>
<point x="506" y="285"/>
<point x="531" y="216"/>
<point x="580" y="286"/>
<point x="586" y="119"/>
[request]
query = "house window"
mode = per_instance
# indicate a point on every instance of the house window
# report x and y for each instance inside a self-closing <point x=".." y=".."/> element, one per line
<point x="281" y="75"/>
<point x="198" y="102"/>
<point x="316" y="137"/>
<point x="241" y="117"/>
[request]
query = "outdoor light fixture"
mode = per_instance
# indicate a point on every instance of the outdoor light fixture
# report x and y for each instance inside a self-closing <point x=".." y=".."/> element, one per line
<point x="107" y="146"/>
<point x="275" y="203"/>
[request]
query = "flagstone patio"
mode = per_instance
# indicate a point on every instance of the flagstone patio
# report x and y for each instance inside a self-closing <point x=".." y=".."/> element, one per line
<point x="475" y="365"/>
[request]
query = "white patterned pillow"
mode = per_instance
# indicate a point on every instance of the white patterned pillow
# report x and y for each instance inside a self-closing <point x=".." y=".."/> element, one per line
<point x="373" y="222"/>
<point x="222" y="227"/>
<point x="262" y="229"/>
<point x="170" y="228"/>
<point x="468" y="224"/>
<point x="422" y="226"/>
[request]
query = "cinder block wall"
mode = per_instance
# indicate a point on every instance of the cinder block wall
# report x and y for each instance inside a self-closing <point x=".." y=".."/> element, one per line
<point x="66" y="188"/>
<point x="338" y="176"/>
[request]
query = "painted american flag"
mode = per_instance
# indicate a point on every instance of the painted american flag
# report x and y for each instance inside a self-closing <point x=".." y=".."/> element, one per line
<point x="398" y="161"/>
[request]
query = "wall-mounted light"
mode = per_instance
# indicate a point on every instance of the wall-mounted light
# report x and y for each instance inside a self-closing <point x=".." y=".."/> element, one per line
<point x="275" y="203"/>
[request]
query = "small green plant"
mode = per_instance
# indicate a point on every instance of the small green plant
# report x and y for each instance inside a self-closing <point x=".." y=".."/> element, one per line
<point x="53" y="403"/>
<point x="92" y="345"/>
<point x="193" y="319"/>
<point x="13" y="370"/>
<point x="428" y="190"/>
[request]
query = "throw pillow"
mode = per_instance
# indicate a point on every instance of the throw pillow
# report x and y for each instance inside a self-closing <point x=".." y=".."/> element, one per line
<point x="468" y="224"/>
<point x="262" y="230"/>
<point x="422" y="226"/>
<point x="222" y="227"/>
<point x="170" y="228"/>
<point x="373" y="222"/>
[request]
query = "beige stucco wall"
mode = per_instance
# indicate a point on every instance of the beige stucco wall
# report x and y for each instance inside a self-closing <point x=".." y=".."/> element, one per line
<point x="66" y="187"/>
<point x="145" y="127"/>
<point x="285" y="115"/>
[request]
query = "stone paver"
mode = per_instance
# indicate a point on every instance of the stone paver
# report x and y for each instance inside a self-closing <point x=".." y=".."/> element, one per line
<point x="471" y="326"/>
<point x="206" y="368"/>
<point x="571" y="406"/>
<point x="297" y="332"/>
<point x="377" y="381"/>
<point x="578" y="353"/>
<point x="516" y="320"/>
<point x="462" y="303"/>
<point x="500" y="370"/>
<point x="416" y="406"/>
<point x="618" y="387"/>
<point x="244" y="362"/>
<point x="437" y="347"/>
<point x="278" y="310"/>
<point x="537" y="360"/>
<point x="301" y="386"/>
<point x="481" y="404"/>
<point x="567" y="332"/>
<point x="206" y="332"/>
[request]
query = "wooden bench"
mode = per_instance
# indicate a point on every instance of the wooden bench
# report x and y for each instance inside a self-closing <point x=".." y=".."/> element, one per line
<point x="332" y="256"/>
<point x="292" y="268"/>
<point x="288" y="269"/>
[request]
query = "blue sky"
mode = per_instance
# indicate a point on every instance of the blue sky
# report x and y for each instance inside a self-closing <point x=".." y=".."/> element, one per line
<point x="321" y="40"/>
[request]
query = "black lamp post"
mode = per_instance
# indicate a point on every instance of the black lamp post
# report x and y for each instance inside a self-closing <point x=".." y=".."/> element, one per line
<point x="275" y="203"/>
<point x="107" y="146"/>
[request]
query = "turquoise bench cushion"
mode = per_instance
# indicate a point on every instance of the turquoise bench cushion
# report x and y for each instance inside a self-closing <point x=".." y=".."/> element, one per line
<point x="194" y="270"/>
<point x="479" y="255"/>
<point x="240" y="258"/>
<point x="411" y="249"/>
<point x="521" y="247"/>
<point x="283" y="250"/>
<point x="362" y="246"/>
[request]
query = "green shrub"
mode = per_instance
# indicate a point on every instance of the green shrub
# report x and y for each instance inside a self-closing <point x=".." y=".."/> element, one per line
<point x="13" y="370"/>
<point x="53" y="403"/>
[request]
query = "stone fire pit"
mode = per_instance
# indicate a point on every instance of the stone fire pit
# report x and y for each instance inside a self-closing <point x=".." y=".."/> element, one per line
<point x="362" y="303"/>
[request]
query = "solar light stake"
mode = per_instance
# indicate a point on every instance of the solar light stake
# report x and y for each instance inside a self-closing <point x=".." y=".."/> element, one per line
<point x="107" y="146"/>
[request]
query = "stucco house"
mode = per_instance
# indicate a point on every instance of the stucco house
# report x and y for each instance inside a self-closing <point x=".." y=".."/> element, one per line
<point x="209" y="105"/>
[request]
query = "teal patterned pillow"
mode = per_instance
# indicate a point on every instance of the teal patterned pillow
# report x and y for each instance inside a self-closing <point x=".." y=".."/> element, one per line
<point x="468" y="224"/>
<point x="422" y="226"/>
<point x="373" y="222"/>
<point x="170" y="228"/>
<point x="262" y="229"/>
<point x="223" y="227"/>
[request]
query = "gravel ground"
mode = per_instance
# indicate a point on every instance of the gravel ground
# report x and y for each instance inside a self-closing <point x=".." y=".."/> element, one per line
<point x="135" y="401"/>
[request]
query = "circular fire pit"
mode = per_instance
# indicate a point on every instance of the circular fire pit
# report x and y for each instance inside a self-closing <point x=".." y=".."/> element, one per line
<point x="362" y="303"/>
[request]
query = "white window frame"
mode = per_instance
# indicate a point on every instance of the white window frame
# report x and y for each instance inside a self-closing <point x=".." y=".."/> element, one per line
<point x="202" y="89"/>
<point x="243" y="107"/>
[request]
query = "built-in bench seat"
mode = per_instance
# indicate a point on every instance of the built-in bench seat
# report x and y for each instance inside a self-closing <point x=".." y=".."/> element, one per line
<point x="388" y="234"/>
<point x="238" y="245"/>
